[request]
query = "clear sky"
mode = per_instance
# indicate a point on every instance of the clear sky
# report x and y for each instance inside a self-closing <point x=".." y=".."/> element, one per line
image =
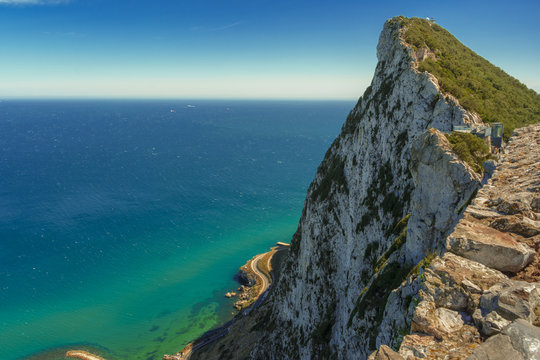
<point x="297" y="49"/>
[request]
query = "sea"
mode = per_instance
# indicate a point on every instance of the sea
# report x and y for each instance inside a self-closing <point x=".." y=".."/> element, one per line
<point x="124" y="222"/>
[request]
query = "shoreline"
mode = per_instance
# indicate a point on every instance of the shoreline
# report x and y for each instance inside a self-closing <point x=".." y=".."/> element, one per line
<point x="83" y="355"/>
<point x="258" y="274"/>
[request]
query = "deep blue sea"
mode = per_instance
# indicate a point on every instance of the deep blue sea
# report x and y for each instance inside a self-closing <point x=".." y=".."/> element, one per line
<point x="122" y="223"/>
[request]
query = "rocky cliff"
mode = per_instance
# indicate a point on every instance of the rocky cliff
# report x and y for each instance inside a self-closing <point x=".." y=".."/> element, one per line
<point x="485" y="286"/>
<point x="387" y="193"/>
<point x="379" y="212"/>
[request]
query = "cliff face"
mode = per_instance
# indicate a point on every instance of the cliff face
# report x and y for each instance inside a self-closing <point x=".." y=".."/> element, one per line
<point x="388" y="192"/>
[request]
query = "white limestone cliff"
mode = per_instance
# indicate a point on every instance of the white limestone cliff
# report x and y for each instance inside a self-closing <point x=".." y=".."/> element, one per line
<point x="388" y="192"/>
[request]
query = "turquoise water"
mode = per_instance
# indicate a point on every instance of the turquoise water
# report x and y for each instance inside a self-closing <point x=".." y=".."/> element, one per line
<point x="122" y="223"/>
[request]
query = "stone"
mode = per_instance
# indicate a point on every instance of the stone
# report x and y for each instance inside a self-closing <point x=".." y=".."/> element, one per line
<point x="471" y="287"/>
<point x="498" y="347"/>
<point x="438" y="322"/>
<point x="488" y="246"/>
<point x="424" y="319"/>
<point x="525" y="338"/>
<point x="416" y="345"/>
<point x="457" y="346"/>
<point x="491" y="324"/>
<point x="512" y="300"/>
<point x="385" y="353"/>
<point x="516" y="203"/>
<point x="454" y="282"/>
<point x="518" y="341"/>
<point x="449" y="320"/>
<point x="481" y="212"/>
<point x="516" y="224"/>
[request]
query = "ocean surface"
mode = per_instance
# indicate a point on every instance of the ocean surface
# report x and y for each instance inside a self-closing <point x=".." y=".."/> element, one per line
<point x="123" y="223"/>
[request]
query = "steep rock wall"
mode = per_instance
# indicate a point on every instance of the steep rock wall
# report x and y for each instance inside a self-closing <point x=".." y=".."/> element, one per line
<point x="388" y="191"/>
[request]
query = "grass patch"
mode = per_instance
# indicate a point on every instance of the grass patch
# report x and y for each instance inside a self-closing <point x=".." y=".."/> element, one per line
<point x="423" y="264"/>
<point x="475" y="82"/>
<point x="401" y="225"/>
<point x="396" y="245"/>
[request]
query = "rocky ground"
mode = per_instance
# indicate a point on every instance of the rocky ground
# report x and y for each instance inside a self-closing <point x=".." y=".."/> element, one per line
<point x="481" y="298"/>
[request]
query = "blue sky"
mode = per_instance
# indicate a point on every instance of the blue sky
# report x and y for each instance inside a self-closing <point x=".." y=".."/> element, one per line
<point x="295" y="49"/>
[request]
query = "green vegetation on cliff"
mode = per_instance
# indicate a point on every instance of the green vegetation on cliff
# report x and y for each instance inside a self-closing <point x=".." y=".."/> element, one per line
<point x="477" y="84"/>
<point x="470" y="148"/>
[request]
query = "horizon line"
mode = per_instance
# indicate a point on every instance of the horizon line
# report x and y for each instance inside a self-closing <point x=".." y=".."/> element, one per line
<point x="10" y="98"/>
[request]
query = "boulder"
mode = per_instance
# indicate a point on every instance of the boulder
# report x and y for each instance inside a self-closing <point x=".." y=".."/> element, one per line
<point x="455" y="283"/>
<point x="498" y="347"/>
<point x="516" y="224"/>
<point x="438" y="322"/>
<point x="512" y="300"/>
<point x="518" y="341"/>
<point x="449" y="320"/>
<point x="491" y="324"/>
<point x="525" y="338"/>
<point x="488" y="246"/>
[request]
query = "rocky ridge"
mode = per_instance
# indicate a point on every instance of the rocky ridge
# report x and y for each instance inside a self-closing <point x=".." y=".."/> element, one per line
<point x="486" y="284"/>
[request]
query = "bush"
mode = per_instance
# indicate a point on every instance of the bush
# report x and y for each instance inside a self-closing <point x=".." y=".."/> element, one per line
<point x="470" y="149"/>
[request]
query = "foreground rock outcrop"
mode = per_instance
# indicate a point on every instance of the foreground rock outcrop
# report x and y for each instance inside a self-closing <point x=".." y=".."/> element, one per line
<point x="475" y="291"/>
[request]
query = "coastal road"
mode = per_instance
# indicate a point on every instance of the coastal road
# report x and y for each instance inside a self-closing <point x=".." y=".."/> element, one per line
<point x="265" y="280"/>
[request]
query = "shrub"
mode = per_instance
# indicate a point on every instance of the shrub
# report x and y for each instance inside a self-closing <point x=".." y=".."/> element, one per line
<point x="470" y="149"/>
